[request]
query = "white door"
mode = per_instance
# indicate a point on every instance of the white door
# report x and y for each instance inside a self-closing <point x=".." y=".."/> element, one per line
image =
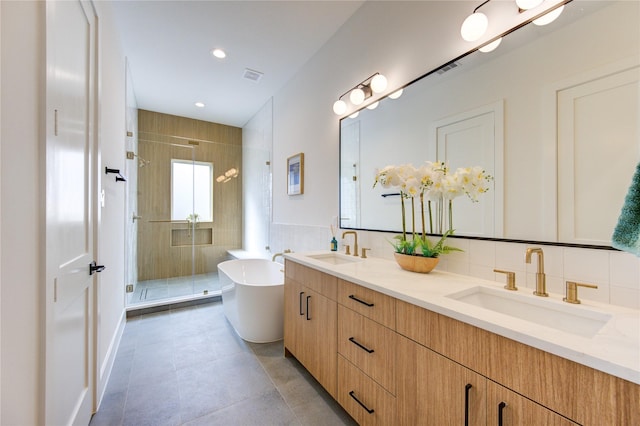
<point x="70" y="218"/>
<point x="468" y="140"/>
<point x="598" y="147"/>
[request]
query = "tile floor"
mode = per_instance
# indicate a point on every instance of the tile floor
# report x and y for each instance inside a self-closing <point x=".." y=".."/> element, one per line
<point x="188" y="367"/>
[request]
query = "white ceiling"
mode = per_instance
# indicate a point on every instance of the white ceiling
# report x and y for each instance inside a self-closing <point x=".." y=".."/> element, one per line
<point x="168" y="45"/>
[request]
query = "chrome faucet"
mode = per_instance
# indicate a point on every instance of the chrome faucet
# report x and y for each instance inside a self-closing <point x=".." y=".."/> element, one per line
<point x="541" y="285"/>
<point x="355" y="241"/>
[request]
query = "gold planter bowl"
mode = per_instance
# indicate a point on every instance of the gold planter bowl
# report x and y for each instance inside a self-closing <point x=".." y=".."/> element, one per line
<point x="420" y="264"/>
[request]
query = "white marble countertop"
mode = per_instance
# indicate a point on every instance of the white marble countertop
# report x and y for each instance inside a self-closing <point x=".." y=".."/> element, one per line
<point x="614" y="349"/>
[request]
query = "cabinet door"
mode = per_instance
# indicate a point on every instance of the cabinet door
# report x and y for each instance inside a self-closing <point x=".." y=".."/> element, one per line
<point x="293" y="318"/>
<point x="320" y="339"/>
<point x="505" y="407"/>
<point x="433" y="390"/>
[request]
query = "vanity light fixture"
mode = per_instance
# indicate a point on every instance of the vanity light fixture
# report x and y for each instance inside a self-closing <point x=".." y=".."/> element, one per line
<point x="339" y="107"/>
<point x="396" y="94"/>
<point x="528" y="4"/>
<point x="358" y="95"/>
<point x="491" y="46"/>
<point x="365" y="89"/>
<point x="549" y="17"/>
<point x="373" y="105"/>
<point x="355" y="114"/>
<point x="475" y="25"/>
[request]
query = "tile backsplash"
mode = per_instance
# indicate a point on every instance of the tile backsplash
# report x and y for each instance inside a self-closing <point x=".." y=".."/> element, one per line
<point x="617" y="274"/>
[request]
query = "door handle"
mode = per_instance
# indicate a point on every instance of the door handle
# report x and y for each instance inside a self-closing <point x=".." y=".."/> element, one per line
<point x="95" y="268"/>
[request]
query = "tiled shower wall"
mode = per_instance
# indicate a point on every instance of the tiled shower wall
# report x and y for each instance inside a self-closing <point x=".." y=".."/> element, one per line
<point x="617" y="274"/>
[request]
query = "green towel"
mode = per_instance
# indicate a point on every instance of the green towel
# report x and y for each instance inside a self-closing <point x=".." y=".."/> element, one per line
<point x="626" y="236"/>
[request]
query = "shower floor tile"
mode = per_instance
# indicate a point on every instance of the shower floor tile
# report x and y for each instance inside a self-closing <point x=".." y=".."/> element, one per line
<point x="188" y="367"/>
<point x="167" y="288"/>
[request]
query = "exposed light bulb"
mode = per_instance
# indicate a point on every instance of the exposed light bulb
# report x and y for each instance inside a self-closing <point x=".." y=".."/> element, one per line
<point x="339" y="107"/>
<point x="357" y="96"/>
<point x="396" y="94"/>
<point x="355" y="114"/>
<point x="491" y="46"/>
<point x="373" y="105"/>
<point x="528" y="4"/>
<point x="378" y="83"/>
<point x="199" y="104"/>
<point x="549" y="17"/>
<point x="474" y="26"/>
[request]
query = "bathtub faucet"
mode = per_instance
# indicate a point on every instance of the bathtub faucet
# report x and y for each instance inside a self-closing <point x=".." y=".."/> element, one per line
<point x="273" y="259"/>
<point x="355" y="241"/>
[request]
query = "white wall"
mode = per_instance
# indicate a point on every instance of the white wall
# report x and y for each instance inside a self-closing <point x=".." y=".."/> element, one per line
<point x="22" y="203"/>
<point x="402" y="40"/>
<point x="111" y="249"/>
<point x="22" y="195"/>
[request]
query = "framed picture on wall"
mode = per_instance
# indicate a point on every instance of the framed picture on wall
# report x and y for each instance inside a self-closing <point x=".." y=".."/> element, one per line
<point x="295" y="174"/>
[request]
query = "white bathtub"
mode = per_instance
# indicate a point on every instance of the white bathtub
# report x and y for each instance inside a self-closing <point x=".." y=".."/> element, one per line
<point x="253" y="298"/>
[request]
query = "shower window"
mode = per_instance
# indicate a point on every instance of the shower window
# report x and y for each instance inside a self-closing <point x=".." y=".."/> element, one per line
<point x="191" y="190"/>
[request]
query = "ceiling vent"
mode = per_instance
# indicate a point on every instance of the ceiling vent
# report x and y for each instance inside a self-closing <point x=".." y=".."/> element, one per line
<point x="252" y="75"/>
<point x="447" y="67"/>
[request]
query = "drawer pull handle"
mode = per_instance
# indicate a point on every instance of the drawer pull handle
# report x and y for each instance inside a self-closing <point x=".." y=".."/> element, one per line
<point x="352" y="395"/>
<point x="351" y="296"/>
<point x="500" y="409"/>
<point x="308" y="318"/>
<point x="353" y="340"/>
<point x="301" y="293"/>
<point x="467" y="388"/>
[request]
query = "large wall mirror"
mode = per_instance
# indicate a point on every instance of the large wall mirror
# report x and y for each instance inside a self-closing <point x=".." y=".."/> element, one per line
<point x="552" y="113"/>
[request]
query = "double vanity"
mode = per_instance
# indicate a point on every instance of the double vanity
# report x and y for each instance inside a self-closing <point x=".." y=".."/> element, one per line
<point x="396" y="347"/>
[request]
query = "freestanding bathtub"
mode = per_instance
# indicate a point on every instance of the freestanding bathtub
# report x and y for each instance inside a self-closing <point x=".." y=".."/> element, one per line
<point x="253" y="298"/>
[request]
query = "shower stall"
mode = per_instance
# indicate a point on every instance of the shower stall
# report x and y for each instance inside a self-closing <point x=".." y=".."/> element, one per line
<point x="188" y="207"/>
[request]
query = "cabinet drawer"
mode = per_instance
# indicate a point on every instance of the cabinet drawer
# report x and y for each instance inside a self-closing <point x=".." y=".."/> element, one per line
<point x="377" y="306"/>
<point x="366" y="401"/>
<point x="454" y="339"/>
<point x="368" y="345"/>
<point x="317" y="281"/>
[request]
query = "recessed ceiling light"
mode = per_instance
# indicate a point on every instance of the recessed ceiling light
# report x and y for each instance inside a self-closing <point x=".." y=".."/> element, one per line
<point x="219" y="53"/>
<point x="199" y="104"/>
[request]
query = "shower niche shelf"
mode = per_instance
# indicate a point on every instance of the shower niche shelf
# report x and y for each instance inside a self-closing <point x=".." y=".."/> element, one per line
<point x="187" y="237"/>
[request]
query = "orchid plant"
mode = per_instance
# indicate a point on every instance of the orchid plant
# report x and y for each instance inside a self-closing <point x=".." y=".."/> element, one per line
<point x="434" y="183"/>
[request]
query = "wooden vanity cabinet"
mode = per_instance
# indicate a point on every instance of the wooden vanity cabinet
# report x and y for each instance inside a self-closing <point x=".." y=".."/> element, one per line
<point x="387" y="362"/>
<point x="549" y="385"/>
<point x="369" y="303"/>
<point x="366" y="354"/>
<point x="433" y="390"/>
<point x="310" y="332"/>
<point x="505" y="407"/>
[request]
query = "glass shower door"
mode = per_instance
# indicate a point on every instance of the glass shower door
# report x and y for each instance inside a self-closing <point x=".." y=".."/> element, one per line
<point x="163" y="252"/>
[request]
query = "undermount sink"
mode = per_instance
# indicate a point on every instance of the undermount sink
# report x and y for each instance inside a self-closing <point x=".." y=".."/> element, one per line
<point x="335" y="258"/>
<point x="577" y="320"/>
